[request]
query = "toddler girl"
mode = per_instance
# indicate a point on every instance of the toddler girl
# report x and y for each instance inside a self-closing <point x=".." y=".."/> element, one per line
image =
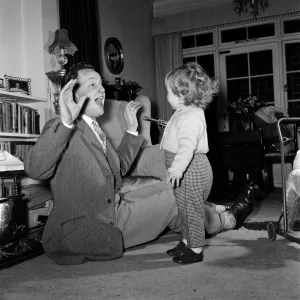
<point x="189" y="91"/>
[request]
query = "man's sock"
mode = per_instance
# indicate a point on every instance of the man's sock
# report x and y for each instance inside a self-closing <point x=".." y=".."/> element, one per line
<point x="229" y="221"/>
<point x="220" y="208"/>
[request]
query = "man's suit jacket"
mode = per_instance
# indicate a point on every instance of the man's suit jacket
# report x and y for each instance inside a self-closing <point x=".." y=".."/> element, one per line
<point x="82" y="223"/>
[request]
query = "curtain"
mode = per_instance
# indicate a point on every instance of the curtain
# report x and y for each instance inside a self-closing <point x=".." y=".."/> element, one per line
<point x="80" y="18"/>
<point x="168" y="55"/>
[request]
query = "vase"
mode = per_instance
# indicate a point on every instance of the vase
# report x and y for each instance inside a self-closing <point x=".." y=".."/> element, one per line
<point x="246" y="125"/>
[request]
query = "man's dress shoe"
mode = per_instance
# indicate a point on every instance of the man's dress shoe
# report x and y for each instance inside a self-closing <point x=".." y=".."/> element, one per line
<point x="243" y="206"/>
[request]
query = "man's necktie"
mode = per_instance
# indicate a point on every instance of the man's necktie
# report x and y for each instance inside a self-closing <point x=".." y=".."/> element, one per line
<point x="101" y="135"/>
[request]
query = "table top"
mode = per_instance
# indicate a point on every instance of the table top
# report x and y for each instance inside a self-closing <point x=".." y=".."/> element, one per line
<point x="231" y="138"/>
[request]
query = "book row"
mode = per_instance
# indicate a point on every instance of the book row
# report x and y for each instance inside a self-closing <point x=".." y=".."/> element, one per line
<point x="18" y="118"/>
<point x="7" y="189"/>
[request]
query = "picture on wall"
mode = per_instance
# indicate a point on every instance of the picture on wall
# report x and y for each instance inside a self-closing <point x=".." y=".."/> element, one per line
<point x="18" y="84"/>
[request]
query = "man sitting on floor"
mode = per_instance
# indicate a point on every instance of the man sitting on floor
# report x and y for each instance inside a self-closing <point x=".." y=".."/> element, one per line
<point x="91" y="219"/>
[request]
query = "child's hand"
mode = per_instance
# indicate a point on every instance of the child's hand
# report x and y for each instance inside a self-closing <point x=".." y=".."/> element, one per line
<point x="173" y="178"/>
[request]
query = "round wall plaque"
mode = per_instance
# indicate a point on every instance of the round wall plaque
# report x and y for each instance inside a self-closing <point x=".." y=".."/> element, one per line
<point x="114" y="55"/>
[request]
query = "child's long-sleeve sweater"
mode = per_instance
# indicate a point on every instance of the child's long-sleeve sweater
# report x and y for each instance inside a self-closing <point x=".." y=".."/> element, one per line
<point x="185" y="134"/>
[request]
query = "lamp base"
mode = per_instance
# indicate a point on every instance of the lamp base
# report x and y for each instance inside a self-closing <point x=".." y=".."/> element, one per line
<point x="56" y="76"/>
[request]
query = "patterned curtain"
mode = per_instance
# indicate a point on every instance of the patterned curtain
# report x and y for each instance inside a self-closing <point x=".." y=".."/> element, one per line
<point x="168" y="55"/>
<point x="80" y="18"/>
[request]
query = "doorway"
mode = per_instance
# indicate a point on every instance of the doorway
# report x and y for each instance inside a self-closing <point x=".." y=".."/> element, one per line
<point x="292" y="78"/>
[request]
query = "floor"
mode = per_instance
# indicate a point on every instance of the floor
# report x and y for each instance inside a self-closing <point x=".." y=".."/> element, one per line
<point x="240" y="264"/>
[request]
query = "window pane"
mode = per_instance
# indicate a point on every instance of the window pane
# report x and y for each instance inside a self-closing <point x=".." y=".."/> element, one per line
<point x="188" y="42"/>
<point x="189" y="59"/>
<point x="237" y="66"/>
<point x="237" y="88"/>
<point x="255" y="32"/>
<point x="261" y="62"/>
<point x="292" y="56"/>
<point x="263" y="88"/>
<point x="233" y="35"/>
<point x="292" y="26"/>
<point x="293" y="84"/>
<point x="204" y="39"/>
<point x="207" y="63"/>
<point x="294" y="109"/>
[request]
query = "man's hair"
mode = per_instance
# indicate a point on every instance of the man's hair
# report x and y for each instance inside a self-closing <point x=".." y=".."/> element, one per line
<point x="72" y="73"/>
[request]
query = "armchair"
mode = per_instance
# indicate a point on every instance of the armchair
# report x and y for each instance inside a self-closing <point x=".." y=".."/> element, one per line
<point x="148" y="168"/>
<point x="113" y="121"/>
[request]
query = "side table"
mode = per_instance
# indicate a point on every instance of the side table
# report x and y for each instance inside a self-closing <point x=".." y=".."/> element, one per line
<point x="15" y="245"/>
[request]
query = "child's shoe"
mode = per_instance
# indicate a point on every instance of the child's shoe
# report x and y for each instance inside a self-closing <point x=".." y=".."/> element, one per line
<point x="178" y="250"/>
<point x="188" y="257"/>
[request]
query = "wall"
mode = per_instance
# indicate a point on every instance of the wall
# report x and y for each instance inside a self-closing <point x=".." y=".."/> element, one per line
<point x="24" y="29"/>
<point x="131" y="24"/>
<point x="214" y="14"/>
<point x="27" y="29"/>
<point x="50" y="23"/>
<point x="11" y="50"/>
<point x="21" y="34"/>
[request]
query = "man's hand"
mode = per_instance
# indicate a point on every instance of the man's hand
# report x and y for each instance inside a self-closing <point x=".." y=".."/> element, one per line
<point x="68" y="109"/>
<point x="130" y="115"/>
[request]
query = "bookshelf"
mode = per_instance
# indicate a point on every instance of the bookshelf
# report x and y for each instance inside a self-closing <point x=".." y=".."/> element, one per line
<point x="19" y="122"/>
<point x="18" y="241"/>
<point x="20" y="97"/>
<point x="9" y="163"/>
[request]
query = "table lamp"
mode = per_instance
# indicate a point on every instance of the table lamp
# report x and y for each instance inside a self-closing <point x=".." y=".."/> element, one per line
<point x="60" y="47"/>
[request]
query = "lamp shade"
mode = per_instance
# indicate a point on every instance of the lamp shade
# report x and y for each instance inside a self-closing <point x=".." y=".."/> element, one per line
<point x="62" y="41"/>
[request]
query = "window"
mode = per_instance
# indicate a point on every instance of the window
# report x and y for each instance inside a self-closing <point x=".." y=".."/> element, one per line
<point x="248" y="33"/>
<point x="291" y="26"/>
<point x="198" y="40"/>
<point x="292" y="87"/>
<point x="257" y="59"/>
<point x="189" y="59"/>
<point x="249" y="71"/>
<point x="206" y="61"/>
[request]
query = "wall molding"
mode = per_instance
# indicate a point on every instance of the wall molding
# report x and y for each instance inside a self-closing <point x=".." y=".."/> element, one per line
<point x="243" y="22"/>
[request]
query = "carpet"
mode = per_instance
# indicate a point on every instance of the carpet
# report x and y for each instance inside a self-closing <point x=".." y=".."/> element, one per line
<point x="238" y="264"/>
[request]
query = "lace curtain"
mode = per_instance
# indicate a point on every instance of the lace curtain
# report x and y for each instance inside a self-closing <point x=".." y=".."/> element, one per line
<point x="168" y="55"/>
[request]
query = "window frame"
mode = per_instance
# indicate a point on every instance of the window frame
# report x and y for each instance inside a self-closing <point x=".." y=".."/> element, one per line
<point x="247" y="26"/>
<point x="280" y="39"/>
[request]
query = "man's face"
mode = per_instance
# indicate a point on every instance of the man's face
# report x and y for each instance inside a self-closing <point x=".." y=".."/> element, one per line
<point x="90" y="84"/>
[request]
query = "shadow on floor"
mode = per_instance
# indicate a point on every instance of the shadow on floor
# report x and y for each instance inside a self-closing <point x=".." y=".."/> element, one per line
<point x="261" y="254"/>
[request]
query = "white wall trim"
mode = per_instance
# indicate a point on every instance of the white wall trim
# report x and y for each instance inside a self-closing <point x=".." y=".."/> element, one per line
<point x="243" y="22"/>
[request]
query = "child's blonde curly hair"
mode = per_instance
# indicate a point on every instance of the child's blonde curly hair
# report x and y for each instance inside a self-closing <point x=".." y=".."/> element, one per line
<point x="191" y="83"/>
